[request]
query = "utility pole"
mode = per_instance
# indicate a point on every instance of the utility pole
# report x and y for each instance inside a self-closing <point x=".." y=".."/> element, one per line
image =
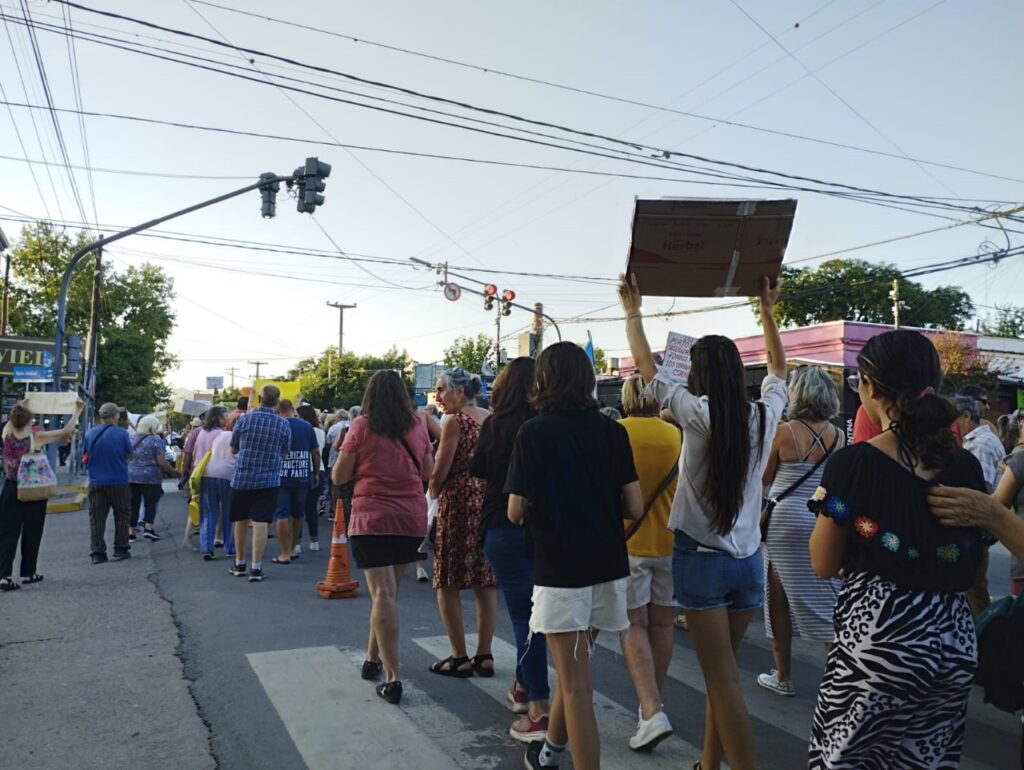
<point x="497" y="340"/>
<point x="94" y="323"/>
<point x="341" y="324"/>
<point x="257" y="364"/>
<point x="894" y="295"/>
<point x="231" y="371"/>
<point x="538" y="329"/>
<point x="7" y="285"/>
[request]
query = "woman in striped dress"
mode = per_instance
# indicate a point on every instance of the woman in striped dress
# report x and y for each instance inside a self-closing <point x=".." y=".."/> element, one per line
<point x="797" y="600"/>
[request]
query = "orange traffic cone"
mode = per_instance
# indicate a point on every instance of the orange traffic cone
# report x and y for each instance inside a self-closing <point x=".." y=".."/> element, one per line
<point x="338" y="584"/>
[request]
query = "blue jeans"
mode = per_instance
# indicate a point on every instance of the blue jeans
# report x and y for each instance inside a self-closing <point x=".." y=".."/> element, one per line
<point x="511" y="558"/>
<point x="214" y="506"/>
<point x="705" y="578"/>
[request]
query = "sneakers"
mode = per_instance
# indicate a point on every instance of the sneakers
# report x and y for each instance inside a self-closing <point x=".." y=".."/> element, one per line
<point x="421" y="574"/>
<point x="121" y="555"/>
<point x="771" y="682"/>
<point x="518" y="699"/>
<point x="207" y="557"/>
<point x="218" y="543"/>
<point x="238" y="570"/>
<point x="650" y="732"/>
<point x="528" y="730"/>
<point x="297" y="552"/>
<point x="314" y="545"/>
<point x="99" y="558"/>
<point x="372" y="669"/>
<point x="390" y="691"/>
<point x="131" y="537"/>
<point x="151" y="535"/>
<point x="532" y="759"/>
<point x="256" y="575"/>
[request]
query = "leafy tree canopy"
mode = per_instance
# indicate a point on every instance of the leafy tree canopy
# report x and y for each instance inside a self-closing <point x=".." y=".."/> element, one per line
<point x="135" y="314"/>
<point x="1007" y="321"/>
<point x="857" y="290"/>
<point x="330" y="382"/>
<point x="470" y="353"/>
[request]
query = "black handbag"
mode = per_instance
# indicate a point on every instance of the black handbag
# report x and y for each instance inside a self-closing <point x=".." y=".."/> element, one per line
<point x="766" y="512"/>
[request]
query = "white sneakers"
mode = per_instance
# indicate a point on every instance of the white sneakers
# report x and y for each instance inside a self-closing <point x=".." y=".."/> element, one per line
<point x="650" y="732"/>
<point x="771" y="682"/>
<point x="421" y="574"/>
<point x="297" y="551"/>
<point x="314" y="545"/>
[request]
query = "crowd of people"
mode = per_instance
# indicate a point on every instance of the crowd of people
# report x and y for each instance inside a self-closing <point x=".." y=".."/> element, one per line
<point x="687" y="496"/>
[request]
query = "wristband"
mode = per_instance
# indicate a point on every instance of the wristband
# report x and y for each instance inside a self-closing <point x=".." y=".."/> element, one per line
<point x="634" y="314"/>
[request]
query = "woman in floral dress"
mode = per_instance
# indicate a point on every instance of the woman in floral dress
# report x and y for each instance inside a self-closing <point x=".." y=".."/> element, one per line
<point x="459" y="560"/>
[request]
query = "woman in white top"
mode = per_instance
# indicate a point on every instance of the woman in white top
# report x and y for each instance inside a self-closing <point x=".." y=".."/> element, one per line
<point x="718" y="569"/>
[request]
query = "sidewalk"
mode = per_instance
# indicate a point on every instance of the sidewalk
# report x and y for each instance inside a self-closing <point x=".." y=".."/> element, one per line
<point x="89" y="663"/>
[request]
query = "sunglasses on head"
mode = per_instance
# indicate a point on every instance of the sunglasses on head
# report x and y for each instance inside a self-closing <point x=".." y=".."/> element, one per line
<point x="853" y="381"/>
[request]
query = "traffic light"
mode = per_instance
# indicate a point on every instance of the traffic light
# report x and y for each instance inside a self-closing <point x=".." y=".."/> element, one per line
<point x="506" y="301"/>
<point x="310" y="184"/>
<point x="269" y="192"/>
<point x="490" y="290"/>
<point x="74" y="354"/>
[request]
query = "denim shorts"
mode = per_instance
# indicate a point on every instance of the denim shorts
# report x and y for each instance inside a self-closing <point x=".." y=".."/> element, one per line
<point x="705" y="578"/>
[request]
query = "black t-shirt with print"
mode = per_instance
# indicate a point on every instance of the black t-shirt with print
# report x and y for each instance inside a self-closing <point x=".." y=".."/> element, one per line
<point x="571" y="469"/>
<point x="891" y="532"/>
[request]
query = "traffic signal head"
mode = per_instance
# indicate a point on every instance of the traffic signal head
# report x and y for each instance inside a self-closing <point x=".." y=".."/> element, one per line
<point x="490" y="291"/>
<point x="269" y="192"/>
<point x="506" y="301"/>
<point x="310" y="184"/>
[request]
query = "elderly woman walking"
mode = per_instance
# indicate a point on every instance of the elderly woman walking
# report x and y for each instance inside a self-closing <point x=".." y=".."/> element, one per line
<point x="797" y="600"/>
<point x="459" y="560"/>
<point x="146" y="470"/>
<point x="23" y="519"/>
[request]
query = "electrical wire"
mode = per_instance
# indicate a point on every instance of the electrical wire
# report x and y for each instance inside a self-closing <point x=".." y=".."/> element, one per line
<point x="76" y="84"/>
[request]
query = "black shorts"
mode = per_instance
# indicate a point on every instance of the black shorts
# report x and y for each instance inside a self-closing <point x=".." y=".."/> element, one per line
<point x="384" y="550"/>
<point x="256" y="504"/>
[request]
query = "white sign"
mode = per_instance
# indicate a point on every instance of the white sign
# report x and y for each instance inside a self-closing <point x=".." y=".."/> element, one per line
<point x="214" y="383"/>
<point x="677" y="355"/>
<point x="51" y="403"/>
<point x="190" y="407"/>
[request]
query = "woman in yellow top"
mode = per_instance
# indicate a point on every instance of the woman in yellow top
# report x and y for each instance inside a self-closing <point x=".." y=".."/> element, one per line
<point x="647" y="644"/>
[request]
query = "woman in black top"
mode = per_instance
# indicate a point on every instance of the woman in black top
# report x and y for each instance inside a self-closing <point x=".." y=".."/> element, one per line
<point x="896" y="683"/>
<point x="572" y="481"/>
<point x="508" y="547"/>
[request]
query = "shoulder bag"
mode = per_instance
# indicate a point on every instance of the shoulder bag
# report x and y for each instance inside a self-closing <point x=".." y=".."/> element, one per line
<point x="766" y="512"/>
<point x="88" y="449"/>
<point x="36" y="479"/>
<point x="665" y="483"/>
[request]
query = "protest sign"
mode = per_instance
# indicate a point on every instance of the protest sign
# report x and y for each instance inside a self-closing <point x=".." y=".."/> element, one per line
<point x="677" y="355"/>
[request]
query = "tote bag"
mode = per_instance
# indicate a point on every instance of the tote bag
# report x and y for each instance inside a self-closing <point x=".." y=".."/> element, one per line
<point x="36" y="479"/>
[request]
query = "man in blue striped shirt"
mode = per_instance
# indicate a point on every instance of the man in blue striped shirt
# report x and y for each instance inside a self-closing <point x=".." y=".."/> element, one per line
<point x="261" y="440"/>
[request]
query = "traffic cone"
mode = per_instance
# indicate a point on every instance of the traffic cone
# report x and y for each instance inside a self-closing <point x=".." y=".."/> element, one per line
<point x="338" y="584"/>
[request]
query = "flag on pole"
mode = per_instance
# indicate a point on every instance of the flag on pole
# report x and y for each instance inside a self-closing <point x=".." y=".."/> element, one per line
<point x="589" y="350"/>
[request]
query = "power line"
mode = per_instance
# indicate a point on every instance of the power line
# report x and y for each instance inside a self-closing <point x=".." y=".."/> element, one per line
<point x="76" y="84"/>
<point x="610" y="97"/>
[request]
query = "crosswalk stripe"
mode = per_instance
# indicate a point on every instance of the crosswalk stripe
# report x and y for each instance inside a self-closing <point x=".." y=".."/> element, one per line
<point x="334" y="718"/>
<point x="615" y="723"/>
<point x="790" y="715"/>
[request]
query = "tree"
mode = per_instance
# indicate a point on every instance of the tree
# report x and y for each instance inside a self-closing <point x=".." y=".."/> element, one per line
<point x="341" y="385"/>
<point x="856" y="290"/>
<point x="600" y="360"/>
<point x="961" y="364"/>
<point x="135" y="315"/>
<point x="471" y="353"/>
<point x="229" y="395"/>
<point x="1008" y="321"/>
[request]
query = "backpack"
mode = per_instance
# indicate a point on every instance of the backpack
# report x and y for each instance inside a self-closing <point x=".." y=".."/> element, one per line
<point x="1000" y="631"/>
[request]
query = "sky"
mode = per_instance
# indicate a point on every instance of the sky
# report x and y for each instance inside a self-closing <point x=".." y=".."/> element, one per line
<point x="917" y="86"/>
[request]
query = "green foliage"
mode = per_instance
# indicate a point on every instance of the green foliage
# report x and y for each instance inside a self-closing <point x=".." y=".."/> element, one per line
<point x="600" y="360"/>
<point x="961" y="364"/>
<point x="856" y="290"/>
<point x="470" y="353"/>
<point x="135" y="314"/>
<point x="1008" y="321"/>
<point x="229" y="396"/>
<point x="330" y="383"/>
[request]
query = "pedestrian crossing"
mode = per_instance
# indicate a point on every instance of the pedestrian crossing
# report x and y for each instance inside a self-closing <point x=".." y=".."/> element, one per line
<point x="336" y="721"/>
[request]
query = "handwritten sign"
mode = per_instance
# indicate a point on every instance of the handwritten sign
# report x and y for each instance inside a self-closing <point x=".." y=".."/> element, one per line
<point x="677" y="355"/>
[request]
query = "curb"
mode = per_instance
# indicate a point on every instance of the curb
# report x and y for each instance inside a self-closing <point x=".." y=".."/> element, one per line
<point x="74" y="504"/>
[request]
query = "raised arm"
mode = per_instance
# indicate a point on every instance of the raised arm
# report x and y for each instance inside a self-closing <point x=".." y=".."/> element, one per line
<point x="629" y="296"/>
<point x="776" y="354"/>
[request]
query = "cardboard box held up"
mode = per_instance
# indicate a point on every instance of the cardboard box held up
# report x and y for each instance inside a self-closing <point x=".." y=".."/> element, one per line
<point x="685" y="247"/>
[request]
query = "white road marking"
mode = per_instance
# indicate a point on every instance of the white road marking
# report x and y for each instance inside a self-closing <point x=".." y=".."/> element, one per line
<point x="615" y="723"/>
<point x="335" y="719"/>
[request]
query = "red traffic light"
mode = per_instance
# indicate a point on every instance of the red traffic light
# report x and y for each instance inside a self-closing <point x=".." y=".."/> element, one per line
<point x="508" y="295"/>
<point x="490" y="290"/>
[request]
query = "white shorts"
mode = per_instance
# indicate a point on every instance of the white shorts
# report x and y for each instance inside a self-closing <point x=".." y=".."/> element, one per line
<point x="650" y="582"/>
<point x="564" y="610"/>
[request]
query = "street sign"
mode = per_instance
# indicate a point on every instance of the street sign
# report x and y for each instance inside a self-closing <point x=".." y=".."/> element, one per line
<point x="214" y="383"/>
<point x="452" y="292"/>
<point x="24" y="373"/>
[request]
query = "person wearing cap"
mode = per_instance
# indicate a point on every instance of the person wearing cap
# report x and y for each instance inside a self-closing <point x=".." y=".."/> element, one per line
<point x="108" y="448"/>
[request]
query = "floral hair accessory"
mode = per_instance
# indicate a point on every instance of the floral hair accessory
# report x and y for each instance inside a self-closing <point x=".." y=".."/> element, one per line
<point x="929" y="391"/>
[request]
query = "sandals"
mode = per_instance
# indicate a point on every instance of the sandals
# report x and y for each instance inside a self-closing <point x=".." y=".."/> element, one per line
<point x="480" y="669"/>
<point x="277" y="560"/>
<point x="9" y="585"/>
<point x="33" y="579"/>
<point x="454" y="667"/>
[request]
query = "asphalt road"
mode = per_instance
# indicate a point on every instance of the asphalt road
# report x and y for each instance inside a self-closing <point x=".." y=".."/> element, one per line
<point x="184" y="666"/>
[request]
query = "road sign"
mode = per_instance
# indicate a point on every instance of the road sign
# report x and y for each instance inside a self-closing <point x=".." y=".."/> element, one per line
<point x="24" y="373"/>
<point x="214" y="383"/>
<point x="452" y="292"/>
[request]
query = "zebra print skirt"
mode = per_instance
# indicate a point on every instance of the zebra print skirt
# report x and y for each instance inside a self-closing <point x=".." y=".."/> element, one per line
<point x="895" y="689"/>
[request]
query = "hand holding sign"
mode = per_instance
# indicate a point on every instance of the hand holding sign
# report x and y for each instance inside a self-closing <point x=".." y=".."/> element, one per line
<point x="677" y="356"/>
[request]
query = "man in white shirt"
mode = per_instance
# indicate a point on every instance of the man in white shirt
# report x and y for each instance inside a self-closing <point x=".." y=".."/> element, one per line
<point x="979" y="439"/>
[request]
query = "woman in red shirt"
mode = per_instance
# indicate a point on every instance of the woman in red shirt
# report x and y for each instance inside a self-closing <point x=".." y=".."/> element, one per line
<point x="388" y="453"/>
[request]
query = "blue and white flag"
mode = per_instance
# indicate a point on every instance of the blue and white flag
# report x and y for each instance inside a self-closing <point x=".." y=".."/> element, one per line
<point x="589" y="350"/>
